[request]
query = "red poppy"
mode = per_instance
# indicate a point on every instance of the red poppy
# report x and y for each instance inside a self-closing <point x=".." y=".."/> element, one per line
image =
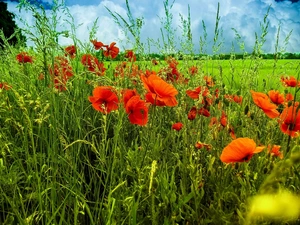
<point x="209" y="81"/>
<point x="223" y="119"/>
<point x="160" y="93"/>
<point x="192" y="113"/>
<point x="240" y="150"/>
<point x="276" y="97"/>
<point x="289" y="97"/>
<point x="200" y="145"/>
<point x="71" y="51"/>
<point x="237" y="99"/>
<point x="290" y="121"/>
<point x="289" y="81"/>
<point x="263" y="102"/>
<point x="128" y="94"/>
<point x="23" y="57"/>
<point x="234" y="98"/>
<point x="97" y="44"/>
<point x="129" y="54"/>
<point x="193" y="70"/>
<point x="194" y="94"/>
<point x="92" y="64"/>
<point x="177" y="126"/>
<point x="61" y="71"/>
<point x="104" y="99"/>
<point x="111" y="50"/>
<point x="204" y="112"/>
<point x="275" y="151"/>
<point x="137" y="111"/>
<point x="5" y="86"/>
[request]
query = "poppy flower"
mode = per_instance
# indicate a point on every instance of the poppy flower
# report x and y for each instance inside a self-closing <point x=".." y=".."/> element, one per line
<point x="275" y="151"/>
<point x="23" y="57"/>
<point x="204" y="112"/>
<point x="5" y="86"/>
<point x="177" y="126"/>
<point x="192" y="113"/>
<point x="289" y="81"/>
<point x="195" y="93"/>
<point x="193" y="70"/>
<point x="240" y="150"/>
<point x="92" y="64"/>
<point x="290" y="121"/>
<point x="111" y="50"/>
<point x="223" y="119"/>
<point x="104" y="99"/>
<point x="289" y="97"/>
<point x="60" y="72"/>
<point x="263" y="102"/>
<point x="97" y="44"/>
<point x="276" y="97"/>
<point x="237" y="99"/>
<point x="200" y="145"/>
<point x="160" y="93"/>
<point x="209" y="81"/>
<point x="71" y="51"/>
<point x="129" y="54"/>
<point x="137" y="111"/>
<point x="128" y="94"/>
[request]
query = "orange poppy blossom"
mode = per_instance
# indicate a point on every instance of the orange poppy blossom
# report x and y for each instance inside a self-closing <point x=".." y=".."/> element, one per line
<point x="195" y="93"/>
<point x="276" y="97"/>
<point x="137" y="110"/>
<point x="240" y="150"/>
<point x="111" y="50"/>
<point x="289" y="81"/>
<point x="274" y="151"/>
<point x="263" y="102"/>
<point x="159" y="93"/>
<point x="289" y="120"/>
<point x="104" y="99"/>
<point x="177" y="126"/>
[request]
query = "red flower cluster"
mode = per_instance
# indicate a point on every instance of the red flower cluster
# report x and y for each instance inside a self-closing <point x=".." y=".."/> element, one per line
<point x="61" y="71"/>
<point x="111" y="50"/>
<point x="23" y="57"/>
<point x="92" y="64"/>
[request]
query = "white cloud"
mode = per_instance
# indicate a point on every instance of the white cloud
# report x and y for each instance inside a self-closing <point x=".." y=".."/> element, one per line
<point x="245" y="16"/>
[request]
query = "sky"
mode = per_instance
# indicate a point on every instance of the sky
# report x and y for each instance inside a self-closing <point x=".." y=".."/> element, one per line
<point x="245" y="16"/>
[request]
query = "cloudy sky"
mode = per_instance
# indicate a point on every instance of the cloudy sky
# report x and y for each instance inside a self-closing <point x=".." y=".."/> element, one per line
<point x="245" y="16"/>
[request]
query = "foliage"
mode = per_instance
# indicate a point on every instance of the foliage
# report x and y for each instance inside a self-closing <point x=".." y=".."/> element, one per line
<point x="8" y="28"/>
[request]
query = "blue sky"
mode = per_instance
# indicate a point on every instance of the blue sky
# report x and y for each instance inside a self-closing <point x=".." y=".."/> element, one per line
<point x="243" y="15"/>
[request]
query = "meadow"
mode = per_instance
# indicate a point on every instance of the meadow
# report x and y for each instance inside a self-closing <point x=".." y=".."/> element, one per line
<point x="86" y="139"/>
